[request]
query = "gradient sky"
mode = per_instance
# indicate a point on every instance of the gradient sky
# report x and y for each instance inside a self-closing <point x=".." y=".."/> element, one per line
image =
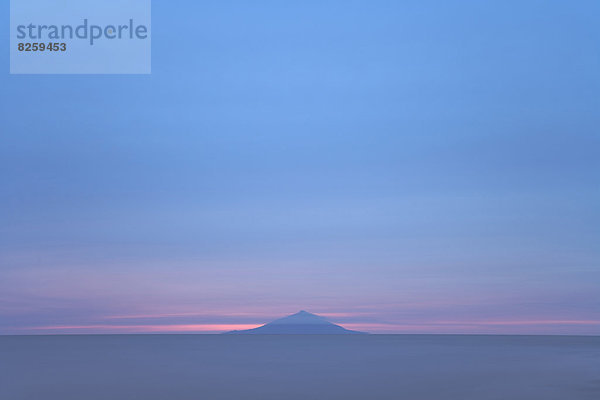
<point x="415" y="166"/>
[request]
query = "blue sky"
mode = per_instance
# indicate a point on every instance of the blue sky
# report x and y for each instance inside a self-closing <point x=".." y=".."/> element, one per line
<point x="401" y="166"/>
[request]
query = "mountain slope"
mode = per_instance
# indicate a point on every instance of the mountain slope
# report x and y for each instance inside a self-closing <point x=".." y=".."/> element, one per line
<point x="301" y="323"/>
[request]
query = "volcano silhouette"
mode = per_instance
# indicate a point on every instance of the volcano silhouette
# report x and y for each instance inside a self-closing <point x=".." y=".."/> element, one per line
<point x="301" y="323"/>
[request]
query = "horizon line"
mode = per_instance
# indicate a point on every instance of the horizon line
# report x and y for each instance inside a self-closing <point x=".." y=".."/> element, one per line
<point x="298" y="334"/>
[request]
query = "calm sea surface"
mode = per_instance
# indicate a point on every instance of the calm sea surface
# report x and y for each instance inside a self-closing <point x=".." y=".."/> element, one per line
<point x="411" y="367"/>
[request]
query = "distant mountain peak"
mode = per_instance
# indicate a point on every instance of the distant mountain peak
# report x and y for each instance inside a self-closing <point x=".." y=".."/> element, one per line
<point x="299" y="323"/>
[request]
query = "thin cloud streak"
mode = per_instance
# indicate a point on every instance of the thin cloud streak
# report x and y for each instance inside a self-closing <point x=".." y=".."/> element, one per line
<point x="587" y="327"/>
<point x="187" y="314"/>
<point x="429" y="327"/>
<point x="145" y="328"/>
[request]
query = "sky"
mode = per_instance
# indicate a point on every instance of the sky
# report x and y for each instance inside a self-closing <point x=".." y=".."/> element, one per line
<point x="398" y="167"/>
